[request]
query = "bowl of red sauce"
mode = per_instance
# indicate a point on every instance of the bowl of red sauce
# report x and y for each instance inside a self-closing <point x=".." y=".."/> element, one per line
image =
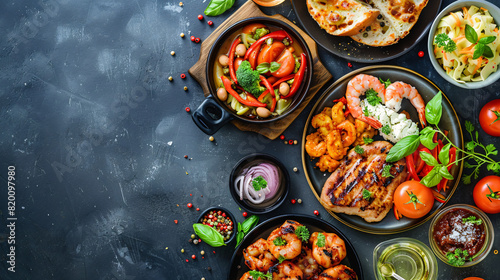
<point x="461" y="235"/>
<point x="259" y="183"/>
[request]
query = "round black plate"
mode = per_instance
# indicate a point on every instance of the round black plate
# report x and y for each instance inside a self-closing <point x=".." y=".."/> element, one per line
<point x="312" y="223"/>
<point x="345" y="47"/>
<point x="449" y="121"/>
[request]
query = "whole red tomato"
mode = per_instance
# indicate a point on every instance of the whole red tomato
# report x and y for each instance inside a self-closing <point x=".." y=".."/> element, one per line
<point x="413" y="200"/>
<point x="487" y="194"/>
<point x="489" y="117"/>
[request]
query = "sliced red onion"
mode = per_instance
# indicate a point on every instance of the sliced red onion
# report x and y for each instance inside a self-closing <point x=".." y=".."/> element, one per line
<point x="245" y="189"/>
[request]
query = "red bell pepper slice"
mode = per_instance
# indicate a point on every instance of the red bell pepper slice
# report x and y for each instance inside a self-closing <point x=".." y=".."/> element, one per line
<point x="342" y="99"/>
<point x="438" y="196"/>
<point x="299" y="76"/>
<point x="232" y="72"/>
<point x="279" y="35"/>
<point x="250" y="101"/>
<point x="397" y="215"/>
<point x="411" y="167"/>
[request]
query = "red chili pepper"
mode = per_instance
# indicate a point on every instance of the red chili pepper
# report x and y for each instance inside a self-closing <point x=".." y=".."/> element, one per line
<point x="273" y="104"/>
<point x="342" y="99"/>
<point x="279" y="35"/>
<point x="411" y="167"/>
<point x="397" y="215"/>
<point x="250" y="101"/>
<point x="284" y="79"/>
<point x="439" y="197"/>
<point x="299" y="76"/>
<point x="232" y="73"/>
<point x="267" y="84"/>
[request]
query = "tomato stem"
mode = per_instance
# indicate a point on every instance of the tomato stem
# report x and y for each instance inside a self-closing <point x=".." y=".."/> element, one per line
<point x="413" y="199"/>
<point x="492" y="194"/>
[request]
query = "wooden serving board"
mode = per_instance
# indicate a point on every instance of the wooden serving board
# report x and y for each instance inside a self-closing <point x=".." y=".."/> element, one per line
<point x="320" y="73"/>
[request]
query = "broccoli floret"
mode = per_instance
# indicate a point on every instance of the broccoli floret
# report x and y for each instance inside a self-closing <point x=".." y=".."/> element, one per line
<point x="259" y="32"/>
<point x="249" y="79"/>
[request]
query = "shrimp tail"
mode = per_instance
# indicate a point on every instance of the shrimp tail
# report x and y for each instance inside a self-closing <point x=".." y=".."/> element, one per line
<point x="371" y="121"/>
<point x="421" y="116"/>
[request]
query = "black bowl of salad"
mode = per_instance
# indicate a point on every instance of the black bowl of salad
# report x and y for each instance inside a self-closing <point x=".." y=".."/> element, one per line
<point x="259" y="183"/>
<point x="258" y="71"/>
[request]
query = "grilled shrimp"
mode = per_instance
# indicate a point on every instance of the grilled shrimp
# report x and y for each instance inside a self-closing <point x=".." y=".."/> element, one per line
<point x="283" y="242"/>
<point x="348" y="132"/>
<point x="332" y="253"/>
<point x="326" y="162"/>
<point x="356" y="87"/>
<point x="286" y="271"/>
<point x="334" y="145"/>
<point x="323" y="123"/>
<point x="340" y="272"/>
<point x="247" y="276"/>
<point x="395" y="93"/>
<point x="307" y="264"/>
<point x="338" y="113"/>
<point x="258" y="257"/>
<point x="315" y="146"/>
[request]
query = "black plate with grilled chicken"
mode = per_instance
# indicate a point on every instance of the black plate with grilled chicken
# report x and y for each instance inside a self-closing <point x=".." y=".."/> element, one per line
<point x="449" y="121"/>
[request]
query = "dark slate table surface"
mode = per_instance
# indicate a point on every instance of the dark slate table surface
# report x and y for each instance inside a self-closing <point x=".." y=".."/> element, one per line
<point x="97" y="136"/>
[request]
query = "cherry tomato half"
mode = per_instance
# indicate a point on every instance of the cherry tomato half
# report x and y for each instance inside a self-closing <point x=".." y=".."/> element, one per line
<point x="488" y="119"/>
<point x="487" y="194"/>
<point x="420" y="198"/>
<point x="270" y="53"/>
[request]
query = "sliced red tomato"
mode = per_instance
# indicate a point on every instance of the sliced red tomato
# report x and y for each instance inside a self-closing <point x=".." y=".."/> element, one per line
<point x="487" y="194"/>
<point x="287" y="62"/>
<point x="237" y="63"/>
<point x="253" y="58"/>
<point x="270" y="53"/>
<point x="250" y="29"/>
<point x="413" y="200"/>
<point x="489" y="117"/>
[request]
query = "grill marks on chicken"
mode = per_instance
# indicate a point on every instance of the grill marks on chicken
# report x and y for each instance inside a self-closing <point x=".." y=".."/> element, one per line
<point x="343" y="191"/>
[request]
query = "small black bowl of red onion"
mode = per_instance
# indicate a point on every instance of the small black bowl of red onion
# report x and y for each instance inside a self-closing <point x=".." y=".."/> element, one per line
<point x="259" y="183"/>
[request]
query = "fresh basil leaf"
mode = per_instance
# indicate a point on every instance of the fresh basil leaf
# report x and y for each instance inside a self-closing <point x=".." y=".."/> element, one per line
<point x="218" y="7"/>
<point x="478" y="51"/>
<point x="428" y="158"/>
<point x="444" y="154"/>
<point x="427" y="130"/>
<point x="432" y="178"/>
<point x="239" y="237"/>
<point x="404" y="147"/>
<point x="263" y="68"/>
<point x="486" y="40"/>
<point x="443" y="171"/>
<point x="428" y="140"/>
<point x="275" y="66"/>
<point x="209" y="235"/>
<point x="249" y="223"/>
<point x="488" y="53"/>
<point x="470" y="34"/>
<point x="434" y="109"/>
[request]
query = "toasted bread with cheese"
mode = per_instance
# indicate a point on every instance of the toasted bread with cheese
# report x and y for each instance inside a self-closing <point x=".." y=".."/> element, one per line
<point x="342" y="17"/>
<point x="395" y="21"/>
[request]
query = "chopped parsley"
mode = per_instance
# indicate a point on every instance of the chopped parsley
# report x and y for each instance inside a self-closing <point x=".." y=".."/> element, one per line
<point x="358" y="149"/>
<point x="386" y="129"/>
<point x="259" y="183"/>
<point x="303" y="233"/>
<point x="320" y="242"/>
<point x="372" y="97"/>
<point x="473" y="220"/>
<point x="278" y="241"/>
<point x="366" y="112"/>
<point x="386" y="83"/>
<point x="367" y="195"/>
<point x="367" y="140"/>
<point x="443" y="40"/>
<point x="386" y="172"/>
<point x="281" y="258"/>
<point x="458" y="258"/>
<point x="257" y="274"/>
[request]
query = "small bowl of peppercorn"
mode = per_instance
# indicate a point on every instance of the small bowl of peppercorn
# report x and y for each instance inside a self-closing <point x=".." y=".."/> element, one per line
<point x="221" y="220"/>
<point x="461" y="235"/>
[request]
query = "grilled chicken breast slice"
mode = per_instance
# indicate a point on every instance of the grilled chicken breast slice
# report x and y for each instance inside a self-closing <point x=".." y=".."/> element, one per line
<point x="343" y="191"/>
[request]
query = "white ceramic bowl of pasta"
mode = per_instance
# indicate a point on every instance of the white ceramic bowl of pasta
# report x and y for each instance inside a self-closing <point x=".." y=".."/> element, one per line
<point x="454" y="7"/>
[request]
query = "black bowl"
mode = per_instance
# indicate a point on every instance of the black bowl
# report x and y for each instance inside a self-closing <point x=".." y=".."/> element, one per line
<point x="266" y="206"/>
<point x="231" y="216"/>
<point x="212" y="114"/>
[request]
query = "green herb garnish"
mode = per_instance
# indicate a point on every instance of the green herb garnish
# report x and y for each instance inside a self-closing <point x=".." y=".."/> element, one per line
<point x="386" y="83"/>
<point x="209" y="235"/>
<point x="257" y="274"/>
<point x="473" y="220"/>
<point x="245" y="227"/>
<point x="358" y="149"/>
<point x="278" y="241"/>
<point x="265" y="67"/>
<point x="372" y="97"/>
<point x="367" y="195"/>
<point x="217" y="7"/>
<point x="320" y="242"/>
<point x="458" y="258"/>
<point x="366" y="112"/>
<point x="386" y="129"/>
<point x="409" y="144"/>
<point x="281" y="258"/>
<point x="303" y="233"/>
<point x="367" y="140"/>
<point x="481" y="48"/>
<point x="443" y="40"/>
<point x="386" y="171"/>
<point x="259" y="183"/>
